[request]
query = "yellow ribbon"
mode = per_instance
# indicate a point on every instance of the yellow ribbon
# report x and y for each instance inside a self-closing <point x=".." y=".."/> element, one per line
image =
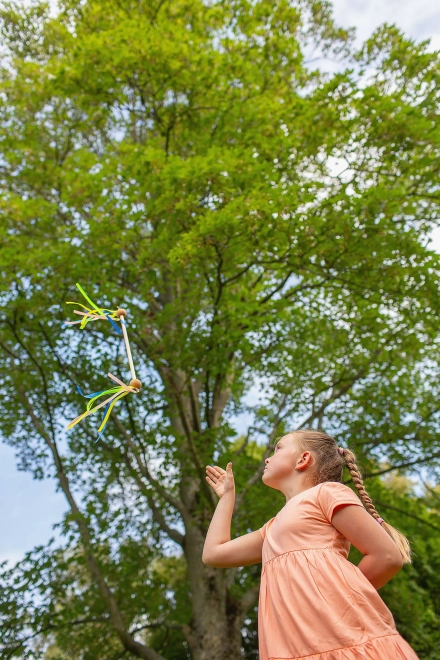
<point x="91" y="314"/>
<point x="116" y="393"/>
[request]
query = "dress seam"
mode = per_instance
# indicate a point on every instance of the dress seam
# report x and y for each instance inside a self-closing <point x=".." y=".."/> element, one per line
<point x="325" y="547"/>
<point x="340" y="648"/>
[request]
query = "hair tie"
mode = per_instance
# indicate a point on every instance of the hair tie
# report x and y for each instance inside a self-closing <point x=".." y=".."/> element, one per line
<point x="380" y="520"/>
<point x="340" y="450"/>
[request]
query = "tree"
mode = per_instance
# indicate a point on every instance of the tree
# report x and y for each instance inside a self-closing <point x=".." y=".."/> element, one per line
<point x="263" y="223"/>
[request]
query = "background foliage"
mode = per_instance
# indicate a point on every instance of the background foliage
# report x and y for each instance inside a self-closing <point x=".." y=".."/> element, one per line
<point x="267" y="227"/>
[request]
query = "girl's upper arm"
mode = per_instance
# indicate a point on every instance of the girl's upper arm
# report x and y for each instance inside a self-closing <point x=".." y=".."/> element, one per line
<point x="364" y="532"/>
<point x="242" y="551"/>
<point x="355" y="523"/>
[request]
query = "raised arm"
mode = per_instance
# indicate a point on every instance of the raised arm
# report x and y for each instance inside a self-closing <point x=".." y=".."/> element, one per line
<point x="219" y="551"/>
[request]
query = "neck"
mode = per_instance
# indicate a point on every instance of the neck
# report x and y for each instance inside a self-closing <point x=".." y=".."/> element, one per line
<point x="297" y="486"/>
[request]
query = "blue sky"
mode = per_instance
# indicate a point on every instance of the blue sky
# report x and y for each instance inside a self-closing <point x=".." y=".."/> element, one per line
<point x="30" y="508"/>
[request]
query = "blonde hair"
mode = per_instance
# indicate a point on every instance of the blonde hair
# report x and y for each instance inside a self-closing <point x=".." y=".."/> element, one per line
<point x="329" y="466"/>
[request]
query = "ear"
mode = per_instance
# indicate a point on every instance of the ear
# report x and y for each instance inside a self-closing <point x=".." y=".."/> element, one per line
<point x="304" y="460"/>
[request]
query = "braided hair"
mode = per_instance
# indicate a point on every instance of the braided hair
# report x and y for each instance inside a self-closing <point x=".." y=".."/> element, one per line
<point x="329" y="466"/>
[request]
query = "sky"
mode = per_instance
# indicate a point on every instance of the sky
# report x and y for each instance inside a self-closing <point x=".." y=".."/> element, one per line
<point x="419" y="19"/>
<point x="29" y="508"/>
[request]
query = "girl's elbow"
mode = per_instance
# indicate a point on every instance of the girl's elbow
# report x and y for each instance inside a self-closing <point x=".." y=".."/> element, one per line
<point x="395" y="561"/>
<point x="208" y="560"/>
<point x="214" y="560"/>
<point x="211" y="563"/>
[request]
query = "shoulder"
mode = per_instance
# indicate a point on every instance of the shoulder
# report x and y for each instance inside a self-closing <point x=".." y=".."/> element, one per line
<point x="335" y="487"/>
<point x="332" y="494"/>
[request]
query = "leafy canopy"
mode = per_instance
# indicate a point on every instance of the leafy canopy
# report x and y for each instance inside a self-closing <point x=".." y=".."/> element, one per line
<point x="266" y="225"/>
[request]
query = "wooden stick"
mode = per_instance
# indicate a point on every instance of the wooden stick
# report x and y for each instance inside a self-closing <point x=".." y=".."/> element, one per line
<point x="128" y="388"/>
<point x="93" y="316"/>
<point x="127" y="346"/>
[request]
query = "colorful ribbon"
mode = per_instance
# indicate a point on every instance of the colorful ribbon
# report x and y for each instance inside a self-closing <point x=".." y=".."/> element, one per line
<point x="116" y="393"/>
<point x="93" y="314"/>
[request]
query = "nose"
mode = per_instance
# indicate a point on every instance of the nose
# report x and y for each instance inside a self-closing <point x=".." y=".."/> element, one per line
<point x="267" y="460"/>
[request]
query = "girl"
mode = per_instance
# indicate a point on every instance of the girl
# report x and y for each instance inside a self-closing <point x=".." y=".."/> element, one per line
<point x="314" y="604"/>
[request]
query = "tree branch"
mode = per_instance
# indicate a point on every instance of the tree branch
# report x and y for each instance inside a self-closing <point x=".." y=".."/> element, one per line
<point x="406" y="513"/>
<point x="158" y="516"/>
<point x="220" y="394"/>
<point x="177" y="504"/>
<point x="259" y="471"/>
<point x="335" y="395"/>
<point x="138" y="649"/>
<point x="189" y="436"/>
<point x="245" y="442"/>
<point x="419" y="461"/>
<point x="194" y="404"/>
<point x="52" y="626"/>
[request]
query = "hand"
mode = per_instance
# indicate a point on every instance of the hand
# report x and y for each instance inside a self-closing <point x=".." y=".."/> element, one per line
<point x="221" y="481"/>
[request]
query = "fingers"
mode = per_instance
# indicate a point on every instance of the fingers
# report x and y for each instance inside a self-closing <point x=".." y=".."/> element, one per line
<point x="211" y="476"/>
<point x="215" y="475"/>
<point x="215" y="471"/>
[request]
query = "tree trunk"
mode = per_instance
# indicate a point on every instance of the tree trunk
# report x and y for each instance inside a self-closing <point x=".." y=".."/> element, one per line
<point x="217" y="619"/>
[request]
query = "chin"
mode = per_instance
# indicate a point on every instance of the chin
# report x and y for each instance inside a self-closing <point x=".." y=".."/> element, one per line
<point x="266" y="480"/>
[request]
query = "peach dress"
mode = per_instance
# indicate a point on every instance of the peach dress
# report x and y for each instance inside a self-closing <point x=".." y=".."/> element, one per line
<point x="314" y="604"/>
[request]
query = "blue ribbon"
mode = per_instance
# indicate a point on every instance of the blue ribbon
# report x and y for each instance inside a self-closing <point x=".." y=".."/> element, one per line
<point x="114" y="324"/>
<point x="89" y="396"/>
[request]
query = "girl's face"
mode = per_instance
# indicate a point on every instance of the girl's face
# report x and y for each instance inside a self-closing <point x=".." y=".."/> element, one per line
<point x="280" y="471"/>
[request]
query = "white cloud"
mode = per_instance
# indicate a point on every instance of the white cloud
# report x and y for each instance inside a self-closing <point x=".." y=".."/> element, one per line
<point x="419" y="19"/>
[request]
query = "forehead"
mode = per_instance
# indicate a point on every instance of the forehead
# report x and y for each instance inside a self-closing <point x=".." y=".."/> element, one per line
<point x="287" y="439"/>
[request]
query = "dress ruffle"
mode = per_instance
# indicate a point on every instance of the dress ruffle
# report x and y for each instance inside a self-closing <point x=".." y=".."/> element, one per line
<point x="313" y="600"/>
<point x="388" y="647"/>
